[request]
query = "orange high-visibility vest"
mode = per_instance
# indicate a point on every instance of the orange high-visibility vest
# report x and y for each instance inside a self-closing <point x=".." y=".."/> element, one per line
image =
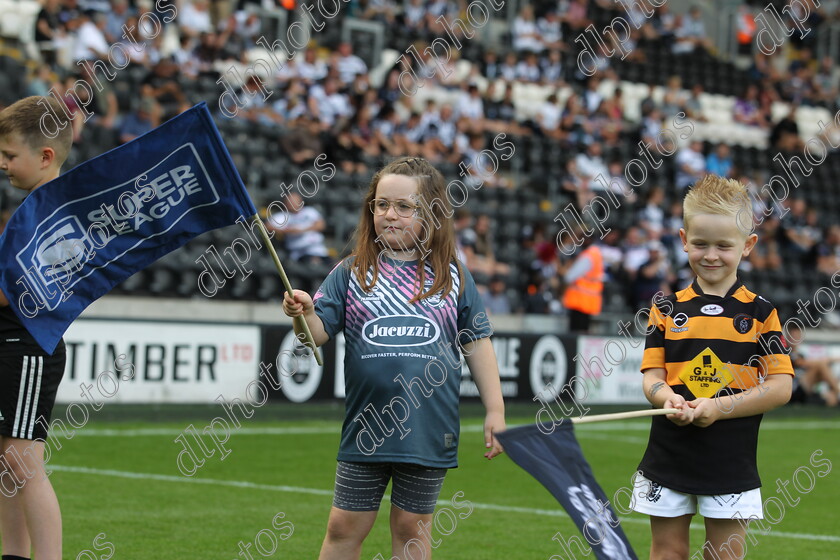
<point x="746" y="28"/>
<point x="586" y="293"/>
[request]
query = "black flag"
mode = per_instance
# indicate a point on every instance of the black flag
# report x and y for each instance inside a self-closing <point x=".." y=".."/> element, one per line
<point x="556" y="460"/>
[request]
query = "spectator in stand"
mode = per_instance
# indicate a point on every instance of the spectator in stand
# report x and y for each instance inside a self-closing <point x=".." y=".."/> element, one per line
<point x="796" y="232"/>
<point x="41" y="81"/>
<point x="331" y="107"/>
<point x="827" y="252"/>
<point x="591" y="96"/>
<point x="163" y="83"/>
<point x="691" y="34"/>
<point x="528" y="69"/>
<point x="186" y="58"/>
<point x="410" y="136"/>
<point x="591" y="165"/>
<point x="613" y="107"/>
<point x="784" y="135"/>
<point x="747" y="110"/>
<point x="302" y="141"/>
<point x="653" y="276"/>
<point x="548" y="118"/>
<point x="575" y="127"/>
<point x="673" y="98"/>
<point x="220" y="11"/>
<point x="496" y="300"/>
<point x="504" y="116"/>
<point x="434" y="10"/>
<point x="194" y="18"/>
<point x="811" y="373"/>
<point x="693" y="106"/>
<point x="484" y="248"/>
<point x="551" y="69"/>
<point x="691" y="165"/>
<point x="362" y="134"/>
<point x="49" y="30"/>
<point x="254" y="108"/>
<point x="345" y="151"/>
<point x="105" y="107"/>
<point x="719" y="162"/>
<point x="766" y="255"/>
<point x="414" y="16"/>
<point x="671" y="239"/>
<point x="490" y="66"/>
<point x="243" y="30"/>
<point x="576" y="15"/>
<point x="617" y="183"/>
<point x="300" y="226"/>
<point x="798" y="88"/>
<point x="348" y="64"/>
<point x="550" y="31"/>
<point x="378" y="10"/>
<point x="507" y="70"/>
<point x="652" y="122"/>
<point x="90" y="43"/>
<point x="480" y="171"/>
<point x="526" y="37"/>
<point x="384" y="130"/>
<point x="636" y="251"/>
<point x="311" y="70"/>
<point x="471" y="105"/>
<point x="292" y="105"/>
<point x="575" y="184"/>
<point x="141" y="121"/>
<point x="826" y="83"/>
<point x="664" y="24"/>
<point x="651" y="216"/>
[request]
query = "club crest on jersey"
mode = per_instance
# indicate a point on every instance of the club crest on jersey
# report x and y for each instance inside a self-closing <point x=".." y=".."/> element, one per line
<point x="711" y="309"/>
<point x="680" y="322"/>
<point x="373" y="295"/>
<point x="400" y="330"/>
<point x="743" y="323"/>
<point x="433" y="300"/>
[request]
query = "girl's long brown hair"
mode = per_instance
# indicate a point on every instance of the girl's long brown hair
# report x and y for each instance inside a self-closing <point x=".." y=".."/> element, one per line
<point x="438" y="235"/>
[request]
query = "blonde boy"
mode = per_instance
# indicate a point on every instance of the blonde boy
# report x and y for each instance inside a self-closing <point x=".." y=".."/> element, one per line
<point x="710" y="354"/>
<point x="30" y="519"/>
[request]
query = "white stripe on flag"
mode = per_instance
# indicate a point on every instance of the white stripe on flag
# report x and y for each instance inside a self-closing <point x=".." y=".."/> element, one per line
<point x="24" y="379"/>
<point x="32" y="417"/>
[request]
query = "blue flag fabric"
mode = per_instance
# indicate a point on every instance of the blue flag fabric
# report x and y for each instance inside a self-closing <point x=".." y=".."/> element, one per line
<point x="73" y="239"/>
<point x="557" y="462"/>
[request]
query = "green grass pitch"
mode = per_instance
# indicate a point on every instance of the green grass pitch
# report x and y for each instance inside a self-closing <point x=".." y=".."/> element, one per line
<point x="118" y="477"/>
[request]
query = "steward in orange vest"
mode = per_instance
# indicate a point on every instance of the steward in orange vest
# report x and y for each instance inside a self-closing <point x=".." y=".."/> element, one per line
<point x="585" y="286"/>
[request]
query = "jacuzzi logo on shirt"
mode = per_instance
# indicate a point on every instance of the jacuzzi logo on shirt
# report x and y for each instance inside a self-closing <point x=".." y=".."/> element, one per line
<point x="400" y="330"/>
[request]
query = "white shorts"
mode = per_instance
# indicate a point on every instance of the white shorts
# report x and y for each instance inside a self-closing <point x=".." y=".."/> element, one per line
<point x="654" y="499"/>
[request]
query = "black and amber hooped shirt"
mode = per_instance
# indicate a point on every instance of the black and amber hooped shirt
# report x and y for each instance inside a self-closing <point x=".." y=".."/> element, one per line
<point x="711" y="346"/>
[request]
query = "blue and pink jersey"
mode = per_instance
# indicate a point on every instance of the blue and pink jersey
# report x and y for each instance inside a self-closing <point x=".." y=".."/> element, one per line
<point x="402" y="361"/>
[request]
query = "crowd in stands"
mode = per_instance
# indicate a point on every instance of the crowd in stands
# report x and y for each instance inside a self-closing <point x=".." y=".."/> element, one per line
<point x="323" y="101"/>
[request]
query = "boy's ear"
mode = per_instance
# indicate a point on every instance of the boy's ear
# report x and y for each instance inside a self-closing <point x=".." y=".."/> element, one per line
<point x="684" y="239"/>
<point x="47" y="156"/>
<point x="752" y="239"/>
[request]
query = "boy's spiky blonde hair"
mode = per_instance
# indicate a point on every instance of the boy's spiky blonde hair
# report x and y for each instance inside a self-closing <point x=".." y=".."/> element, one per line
<point x="724" y="197"/>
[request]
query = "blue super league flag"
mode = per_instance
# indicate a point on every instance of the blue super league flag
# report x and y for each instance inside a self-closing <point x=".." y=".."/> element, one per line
<point x="557" y="461"/>
<point x="75" y="238"/>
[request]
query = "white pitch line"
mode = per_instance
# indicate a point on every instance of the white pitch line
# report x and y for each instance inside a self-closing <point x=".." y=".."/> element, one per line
<point x="320" y="492"/>
<point x="471" y="428"/>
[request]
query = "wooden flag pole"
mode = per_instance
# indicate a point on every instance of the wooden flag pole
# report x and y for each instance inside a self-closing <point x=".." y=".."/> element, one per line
<point x="300" y="322"/>
<point x="624" y="415"/>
